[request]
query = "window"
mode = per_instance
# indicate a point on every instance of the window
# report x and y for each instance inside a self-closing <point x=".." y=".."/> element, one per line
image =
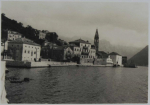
<point x="34" y="52"/>
<point x="25" y="51"/>
<point x="31" y="54"/>
<point x="28" y="51"/>
<point x="29" y="46"/>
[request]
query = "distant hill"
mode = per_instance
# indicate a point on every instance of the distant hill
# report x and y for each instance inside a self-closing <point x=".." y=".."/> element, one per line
<point x="141" y="58"/>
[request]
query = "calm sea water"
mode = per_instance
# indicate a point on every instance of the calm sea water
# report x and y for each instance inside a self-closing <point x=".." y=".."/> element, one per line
<point x="79" y="85"/>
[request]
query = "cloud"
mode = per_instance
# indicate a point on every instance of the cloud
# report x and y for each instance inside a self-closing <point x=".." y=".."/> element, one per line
<point x="113" y="19"/>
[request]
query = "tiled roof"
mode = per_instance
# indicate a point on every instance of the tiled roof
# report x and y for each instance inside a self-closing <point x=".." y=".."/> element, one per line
<point x="61" y="47"/>
<point x="102" y="54"/>
<point x="114" y="53"/>
<point x="79" y="41"/>
<point x="14" y="32"/>
<point x="24" y="41"/>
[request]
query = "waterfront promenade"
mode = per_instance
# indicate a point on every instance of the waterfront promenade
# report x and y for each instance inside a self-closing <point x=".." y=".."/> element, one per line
<point x="45" y="63"/>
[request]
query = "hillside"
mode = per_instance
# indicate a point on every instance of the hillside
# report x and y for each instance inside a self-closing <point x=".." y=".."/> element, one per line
<point x="28" y="31"/>
<point x="141" y="58"/>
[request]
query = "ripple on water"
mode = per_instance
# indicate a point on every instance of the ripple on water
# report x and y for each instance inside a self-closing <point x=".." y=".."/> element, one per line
<point x="79" y="85"/>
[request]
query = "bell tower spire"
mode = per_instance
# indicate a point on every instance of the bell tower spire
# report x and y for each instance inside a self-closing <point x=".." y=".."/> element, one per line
<point x="96" y="41"/>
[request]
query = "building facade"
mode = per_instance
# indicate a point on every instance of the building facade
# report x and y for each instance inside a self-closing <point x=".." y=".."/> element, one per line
<point x="47" y="50"/>
<point x="12" y="35"/>
<point x="23" y="49"/>
<point x="103" y="58"/>
<point x="42" y="35"/>
<point x="84" y="50"/>
<point x="62" y="53"/>
<point x="124" y="60"/>
<point x="116" y="58"/>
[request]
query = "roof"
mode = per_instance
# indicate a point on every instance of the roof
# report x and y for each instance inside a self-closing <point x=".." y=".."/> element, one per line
<point x="62" y="47"/>
<point x="96" y="34"/>
<point x="80" y="41"/>
<point x="114" y="53"/>
<point x="24" y="41"/>
<point x="14" y="32"/>
<point x="102" y="54"/>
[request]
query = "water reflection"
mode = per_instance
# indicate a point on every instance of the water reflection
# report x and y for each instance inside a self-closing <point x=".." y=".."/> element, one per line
<point x="79" y="85"/>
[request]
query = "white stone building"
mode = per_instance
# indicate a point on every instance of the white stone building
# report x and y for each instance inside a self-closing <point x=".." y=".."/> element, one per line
<point x="23" y="49"/>
<point x="12" y="35"/>
<point x="83" y="49"/>
<point x="116" y="58"/>
<point x="42" y="35"/>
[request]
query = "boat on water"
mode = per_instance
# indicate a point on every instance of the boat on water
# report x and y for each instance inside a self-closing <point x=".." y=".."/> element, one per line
<point x="15" y="81"/>
<point x="116" y="65"/>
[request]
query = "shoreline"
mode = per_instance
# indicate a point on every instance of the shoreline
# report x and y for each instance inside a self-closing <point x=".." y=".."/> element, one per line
<point x="22" y="64"/>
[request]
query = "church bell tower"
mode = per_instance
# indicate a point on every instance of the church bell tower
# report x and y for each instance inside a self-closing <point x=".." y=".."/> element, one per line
<point x="96" y="41"/>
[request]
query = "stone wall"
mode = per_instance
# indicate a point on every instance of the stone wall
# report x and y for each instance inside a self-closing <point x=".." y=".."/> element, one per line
<point x="86" y="60"/>
<point x="18" y="64"/>
<point x="98" y="62"/>
<point x="37" y="64"/>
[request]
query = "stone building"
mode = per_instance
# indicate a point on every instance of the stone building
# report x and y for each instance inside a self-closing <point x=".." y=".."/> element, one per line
<point x="12" y="35"/>
<point x="62" y="53"/>
<point x="23" y="49"/>
<point x="124" y="60"/>
<point x="116" y="58"/>
<point x="103" y="58"/>
<point x="46" y="50"/>
<point x="83" y="50"/>
<point x="42" y="35"/>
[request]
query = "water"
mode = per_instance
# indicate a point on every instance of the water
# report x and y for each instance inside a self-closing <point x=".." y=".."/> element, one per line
<point x="79" y="85"/>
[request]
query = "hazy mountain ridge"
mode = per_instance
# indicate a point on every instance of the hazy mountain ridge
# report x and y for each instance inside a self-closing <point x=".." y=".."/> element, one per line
<point x="106" y="46"/>
<point x="141" y="58"/>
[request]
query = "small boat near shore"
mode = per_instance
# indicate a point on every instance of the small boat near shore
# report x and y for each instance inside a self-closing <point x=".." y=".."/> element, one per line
<point x="116" y="65"/>
<point x="15" y="81"/>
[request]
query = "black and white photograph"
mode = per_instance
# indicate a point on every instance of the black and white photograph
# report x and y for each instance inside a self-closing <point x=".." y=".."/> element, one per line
<point x="74" y="52"/>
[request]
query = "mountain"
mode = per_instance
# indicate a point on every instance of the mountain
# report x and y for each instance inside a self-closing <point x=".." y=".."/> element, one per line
<point x="123" y="50"/>
<point x="141" y="58"/>
<point x="106" y="46"/>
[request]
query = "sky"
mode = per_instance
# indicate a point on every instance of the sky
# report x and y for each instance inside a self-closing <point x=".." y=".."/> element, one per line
<point x="120" y="23"/>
